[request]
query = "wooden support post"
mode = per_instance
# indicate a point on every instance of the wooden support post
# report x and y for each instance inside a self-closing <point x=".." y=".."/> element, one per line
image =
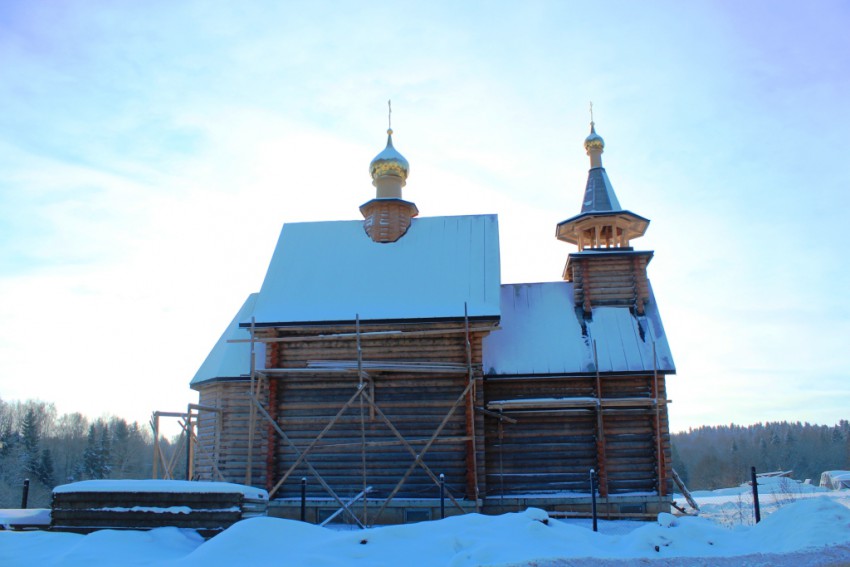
<point x="362" y="420"/>
<point x="601" y="457"/>
<point x="215" y="468"/>
<point x="252" y="413"/>
<point x="418" y="457"/>
<point x="190" y="445"/>
<point x="302" y="455"/>
<point x="685" y="492"/>
<point x="271" y="447"/>
<point x="178" y="448"/>
<point x="471" y="453"/>
<point x="310" y="467"/>
<point x="501" y="463"/>
<point x="409" y="449"/>
<point x="155" y="427"/>
<point x="659" y="450"/>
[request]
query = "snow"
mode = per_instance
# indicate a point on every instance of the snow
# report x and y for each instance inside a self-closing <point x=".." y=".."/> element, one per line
<point x="154" y="509"/>
<point x="835" y="480"/>
<point x="231" y="360"/>
<point x="814" y="530"/>
<point x="541" y="334"/>
<point x="181" y="486"/>
<point x="332" y="271"/>
<point x="26" y="517"/>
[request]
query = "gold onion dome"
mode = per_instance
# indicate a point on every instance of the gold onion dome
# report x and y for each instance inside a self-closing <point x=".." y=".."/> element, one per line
<point x="594" y="141"/>
<point x="389" y="163"/>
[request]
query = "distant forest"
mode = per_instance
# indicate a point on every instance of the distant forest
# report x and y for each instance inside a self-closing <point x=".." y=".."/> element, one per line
<point x="715" y="457"/>
<point x="52" y="449"/>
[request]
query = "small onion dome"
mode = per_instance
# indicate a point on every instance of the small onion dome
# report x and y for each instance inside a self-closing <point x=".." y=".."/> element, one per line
<point x="389" y="162"/>
<point x="594" y="141"/>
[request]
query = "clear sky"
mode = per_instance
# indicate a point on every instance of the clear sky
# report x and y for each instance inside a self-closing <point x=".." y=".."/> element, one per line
<point x="150" y="151"/>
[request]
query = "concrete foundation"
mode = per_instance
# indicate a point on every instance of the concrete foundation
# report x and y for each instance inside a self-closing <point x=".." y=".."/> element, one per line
<point x="411" y="510"/>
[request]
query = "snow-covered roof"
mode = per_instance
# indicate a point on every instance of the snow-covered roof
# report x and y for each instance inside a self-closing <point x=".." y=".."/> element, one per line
<point x="541" y="333"/>
<point x="169" y="486"/>
<point x="333" y="271"/>
<point x="230" y="360"/>
<point x="835" y="480"/>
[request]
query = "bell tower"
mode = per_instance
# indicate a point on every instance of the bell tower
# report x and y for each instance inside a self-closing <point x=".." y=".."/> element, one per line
<point x="606" y="270"/>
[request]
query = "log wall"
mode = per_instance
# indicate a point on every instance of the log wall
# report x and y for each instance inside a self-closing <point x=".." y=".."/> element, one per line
<point x="545" y="451"/>
<point x="554" y="449"/>
<point x="223" y="438"/>
<point x="616" y="280"/>
<point x="415" y="403"/>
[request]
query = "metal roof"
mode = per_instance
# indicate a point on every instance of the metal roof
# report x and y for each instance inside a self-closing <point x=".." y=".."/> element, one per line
<point x="333" y="271"/>
<point x="542" y="333"/>
<point x="231" y="360"/>
<point x="599" y="194"/>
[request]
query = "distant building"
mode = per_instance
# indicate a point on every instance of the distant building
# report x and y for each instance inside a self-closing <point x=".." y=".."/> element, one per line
<point x="386" y="353"/>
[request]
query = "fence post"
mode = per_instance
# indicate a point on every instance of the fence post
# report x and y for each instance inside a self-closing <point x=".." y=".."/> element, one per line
<point x="593" y="497"/>
<point x="442" y="496"/>
<point x="25" y="494"/>
<point x="756" y="506"/>
<point x="303" y="498"/>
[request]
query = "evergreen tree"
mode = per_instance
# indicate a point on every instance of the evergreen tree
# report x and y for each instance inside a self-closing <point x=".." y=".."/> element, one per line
<point x="92" y="462"/>
<point x="30" y="442"/>
<point x="105" y="449"/>
<point x="44" y="473"/>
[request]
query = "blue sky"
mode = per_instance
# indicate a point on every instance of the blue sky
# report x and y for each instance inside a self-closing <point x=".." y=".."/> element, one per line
<point x="149" y="153"/>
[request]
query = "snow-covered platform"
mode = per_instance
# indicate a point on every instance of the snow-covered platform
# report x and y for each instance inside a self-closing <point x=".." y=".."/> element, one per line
<point x="24" y="518"/>
<point x="208" y="507"/>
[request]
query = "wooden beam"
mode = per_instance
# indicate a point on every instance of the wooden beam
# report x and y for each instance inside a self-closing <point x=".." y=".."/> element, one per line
<point x="602" y="459"/>
<point x="418" y="459"/>
<point x="252" y="413"/>
<point x="471" y="453"/>
<point x="310" y="467"/>
<point x="366" y="335"/>
<point x="410" y="450"/>
<point x="303" y="455"/>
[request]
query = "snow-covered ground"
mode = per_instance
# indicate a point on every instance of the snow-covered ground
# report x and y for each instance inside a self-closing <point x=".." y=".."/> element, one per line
<point x="801" y="525"/>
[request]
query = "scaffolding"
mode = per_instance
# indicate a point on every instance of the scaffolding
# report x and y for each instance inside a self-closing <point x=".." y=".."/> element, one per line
<point x="187" y="443"/>
<point x="362" y="398"/>
<point x="360" y="402"/>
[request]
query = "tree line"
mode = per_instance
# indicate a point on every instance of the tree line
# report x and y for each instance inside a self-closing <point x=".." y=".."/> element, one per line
<point x="712" y="457"/>
<point x="51" y="449"/>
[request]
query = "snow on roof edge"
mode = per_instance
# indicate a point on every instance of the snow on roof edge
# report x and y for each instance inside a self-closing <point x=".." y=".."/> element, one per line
<point x="154" y="485"/>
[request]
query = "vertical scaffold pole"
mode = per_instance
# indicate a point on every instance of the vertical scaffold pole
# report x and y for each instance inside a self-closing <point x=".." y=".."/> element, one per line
<point x="756" y="505"/>
<point x="662" y="488"/>
<point x="360" y="386"/>
<point x="593" y="497"/>
<point x="601" y="457"/>
<point x="252" y="412"/>
<point x="470" y="416"/>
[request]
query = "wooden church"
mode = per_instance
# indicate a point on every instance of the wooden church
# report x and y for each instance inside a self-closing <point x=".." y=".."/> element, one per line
<point x="383" y="358"/>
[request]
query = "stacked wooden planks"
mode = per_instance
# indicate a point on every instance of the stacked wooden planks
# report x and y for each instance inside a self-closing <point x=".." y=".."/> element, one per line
<point x="207" y="512"/>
